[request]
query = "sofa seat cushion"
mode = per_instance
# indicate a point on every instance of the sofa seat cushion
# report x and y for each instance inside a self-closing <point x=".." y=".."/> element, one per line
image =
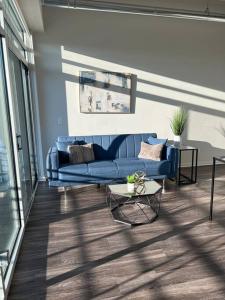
<point x="127" y="166"/>
<point x="100" y="171"/>
<point x="105" y="168"/>
<point x="97" y="171"/>
<point x="155" y="168"/>
<point x="71" y="172"/>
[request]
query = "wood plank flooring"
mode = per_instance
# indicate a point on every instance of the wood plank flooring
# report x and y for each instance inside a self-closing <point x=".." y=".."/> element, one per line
<point x="72" y="248"/>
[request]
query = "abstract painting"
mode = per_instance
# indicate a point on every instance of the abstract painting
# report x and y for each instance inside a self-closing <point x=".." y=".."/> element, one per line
<point x="105" y="92"/>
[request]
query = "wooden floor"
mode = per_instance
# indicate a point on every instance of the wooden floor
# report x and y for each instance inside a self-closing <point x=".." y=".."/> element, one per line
<point x="72" y="249"/>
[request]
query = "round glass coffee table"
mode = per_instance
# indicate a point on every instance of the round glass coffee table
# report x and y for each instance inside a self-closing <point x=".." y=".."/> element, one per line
<point x="137" y="208"/>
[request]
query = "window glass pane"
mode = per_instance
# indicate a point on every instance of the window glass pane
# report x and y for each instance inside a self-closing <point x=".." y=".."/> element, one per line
<point x="9" y="210"/>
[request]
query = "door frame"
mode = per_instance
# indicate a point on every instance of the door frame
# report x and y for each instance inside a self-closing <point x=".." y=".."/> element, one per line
<point x="23" y="219"/>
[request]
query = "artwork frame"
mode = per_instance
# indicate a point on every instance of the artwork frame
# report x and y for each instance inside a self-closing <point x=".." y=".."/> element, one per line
<point x="105" y="92"/>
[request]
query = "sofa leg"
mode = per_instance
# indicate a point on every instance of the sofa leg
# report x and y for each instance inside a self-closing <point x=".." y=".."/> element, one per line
<point x="164" y="186"/>
<point x="98" y="185"/>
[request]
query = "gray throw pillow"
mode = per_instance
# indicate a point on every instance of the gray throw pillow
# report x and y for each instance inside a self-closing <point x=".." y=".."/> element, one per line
<point x="75" y="154"/>
<point x="88" y="152"/>
<point x="79" y="154"/>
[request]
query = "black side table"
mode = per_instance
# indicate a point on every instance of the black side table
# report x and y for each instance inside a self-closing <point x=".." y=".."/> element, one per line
<point x="215" y="159"/>
<point x="181" y="178"/>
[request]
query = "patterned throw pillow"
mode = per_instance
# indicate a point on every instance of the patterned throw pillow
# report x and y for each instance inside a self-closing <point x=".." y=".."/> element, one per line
<point x="88" y="152"/>
<point x="63" y="151"/>
<point x="75" y="154"/>
<point x="152" y="152"/>
<point x="79" y="154"/>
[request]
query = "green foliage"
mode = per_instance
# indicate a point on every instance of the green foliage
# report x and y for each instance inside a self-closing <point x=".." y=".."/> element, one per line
<point x="131" y="178"/>
<point x="178" y="121"/>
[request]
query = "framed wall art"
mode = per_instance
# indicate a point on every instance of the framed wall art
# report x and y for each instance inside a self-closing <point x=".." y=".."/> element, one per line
<point x="105" y="92"/>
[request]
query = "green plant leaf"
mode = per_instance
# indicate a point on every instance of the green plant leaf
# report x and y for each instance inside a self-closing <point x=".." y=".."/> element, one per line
<point x="178" y="121"/>
<point x="131" y="178"/>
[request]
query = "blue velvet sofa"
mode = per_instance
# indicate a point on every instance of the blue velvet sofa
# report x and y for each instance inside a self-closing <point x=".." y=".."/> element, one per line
<point x="116" y="156"/>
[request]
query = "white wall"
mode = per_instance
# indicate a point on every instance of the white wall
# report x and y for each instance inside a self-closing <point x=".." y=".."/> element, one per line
<point x="176" y="62"/>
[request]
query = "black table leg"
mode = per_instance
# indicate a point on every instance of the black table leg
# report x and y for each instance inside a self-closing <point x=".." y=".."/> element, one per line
<point x="192" y="165"/>
<point x="196" y="165"/>
<point x="179" y="168"/>
<point x="212" y="188"/>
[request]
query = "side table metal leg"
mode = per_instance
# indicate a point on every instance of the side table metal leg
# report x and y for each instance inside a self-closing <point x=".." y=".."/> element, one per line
<point x="164" y="186"/>
<point x="192" y="165"/>
<point x="196" y="165"/>
<point x="179" y="168"/>
<point x="212" y="188"/>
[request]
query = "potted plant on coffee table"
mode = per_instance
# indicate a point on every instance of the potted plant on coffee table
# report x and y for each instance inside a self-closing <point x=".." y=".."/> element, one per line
<point x="177" y="124"/>
<point x="131" y="183"/>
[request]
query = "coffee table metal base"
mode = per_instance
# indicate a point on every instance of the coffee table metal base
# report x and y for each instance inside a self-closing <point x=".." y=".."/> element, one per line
<point x="134" y="211"/>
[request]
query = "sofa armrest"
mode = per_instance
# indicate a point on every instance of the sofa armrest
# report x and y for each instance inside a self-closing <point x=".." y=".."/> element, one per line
<point x="172" y="154"/>
<point x="52" y="163"/>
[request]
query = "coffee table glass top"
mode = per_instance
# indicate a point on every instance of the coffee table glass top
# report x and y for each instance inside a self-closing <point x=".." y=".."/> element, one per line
<point x="151" y="188"/>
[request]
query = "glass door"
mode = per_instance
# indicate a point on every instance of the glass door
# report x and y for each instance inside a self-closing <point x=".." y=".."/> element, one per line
<point x="9" y="205"/>
<point x="22" y="131"/>
<point x="29" y="119"/>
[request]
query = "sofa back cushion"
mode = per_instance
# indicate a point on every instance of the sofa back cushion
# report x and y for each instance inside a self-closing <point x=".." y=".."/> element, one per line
<point x="108" y="147"/>
<point x="62" y="147"/>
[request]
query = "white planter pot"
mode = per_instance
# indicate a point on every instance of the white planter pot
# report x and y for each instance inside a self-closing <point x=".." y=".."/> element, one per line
<point x="177" y="139"/>
<point x="130" y="187"/>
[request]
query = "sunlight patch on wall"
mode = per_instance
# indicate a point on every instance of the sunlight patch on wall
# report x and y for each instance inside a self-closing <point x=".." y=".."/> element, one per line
<point x="146" y="90"/>
<point x="86" y="62"/>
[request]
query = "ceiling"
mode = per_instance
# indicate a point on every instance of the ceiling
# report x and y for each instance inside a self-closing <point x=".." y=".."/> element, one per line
<point x="32" y="12"/>
<point x="211" y="10"/>
<point x="215" y="6"/>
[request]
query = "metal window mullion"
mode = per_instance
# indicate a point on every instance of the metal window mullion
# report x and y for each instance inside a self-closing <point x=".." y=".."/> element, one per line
<point x="20" y="17"/>
<point x="2" y="281"/>
<point x="32" y="114"/>
<point x="15" y="31"/>
<point x="13" y="259"/>
<point x="16" y="51"/>
<point x="25" y="50"/>
<point x="2" y="19"/>
<point x="37" y="126"/>
<point x="2" y="31"/>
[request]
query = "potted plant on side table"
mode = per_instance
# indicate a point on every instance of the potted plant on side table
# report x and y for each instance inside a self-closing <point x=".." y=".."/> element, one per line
<point x="177" y="125"/>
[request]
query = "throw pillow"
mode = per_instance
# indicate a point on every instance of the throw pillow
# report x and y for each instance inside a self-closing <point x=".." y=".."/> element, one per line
<point x="88" y="152"/>
<point x="79" y="154"/>
<point x="75" y="154"/>
<point x="152" y="152"/>
<point x="63" y="150"/>
<point x="155" y="141"/>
